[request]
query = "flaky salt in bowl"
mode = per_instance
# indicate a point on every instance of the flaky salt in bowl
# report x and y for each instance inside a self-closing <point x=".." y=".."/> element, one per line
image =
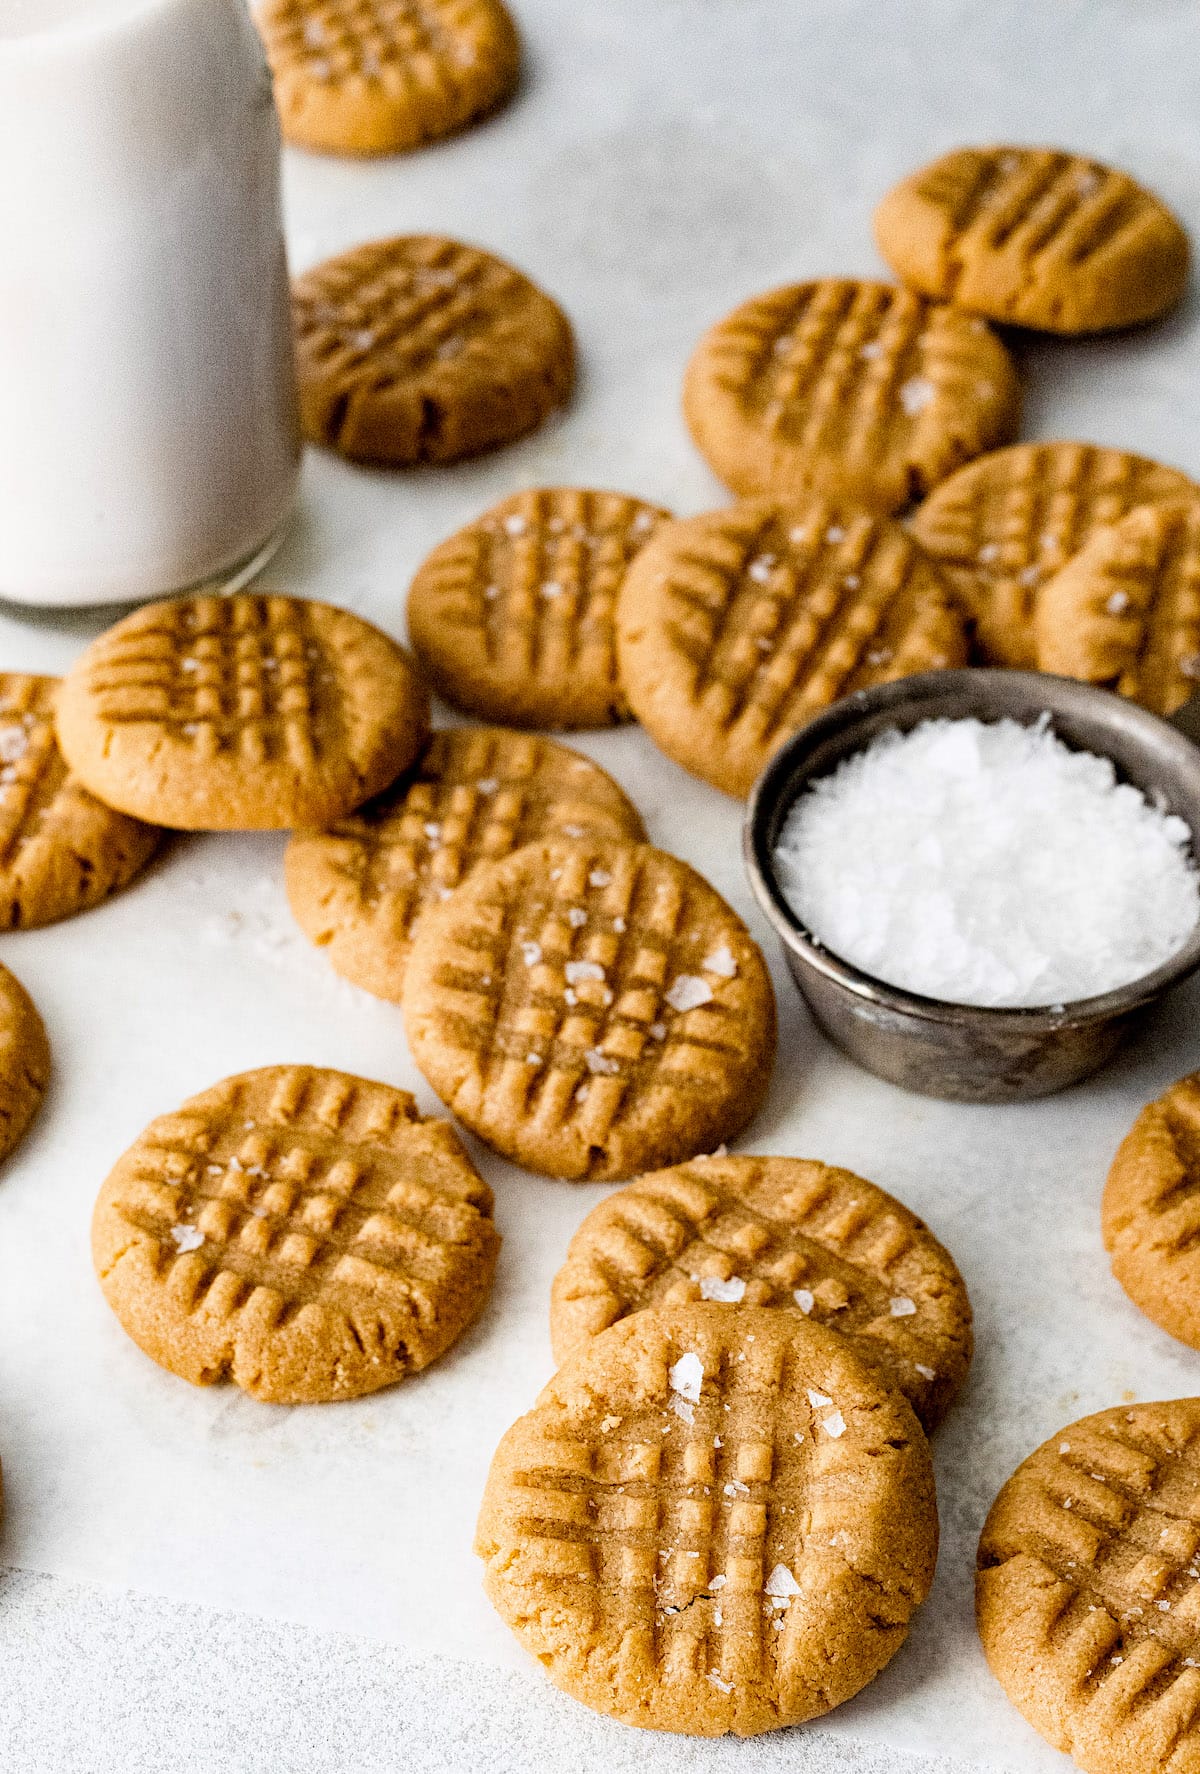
<point x="980" y="878"/>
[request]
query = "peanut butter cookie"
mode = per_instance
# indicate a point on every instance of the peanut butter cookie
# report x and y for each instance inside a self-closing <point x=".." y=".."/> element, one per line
<point x="1125" y="611"/>
<point x="591" y="1009"/>
<point x="711" y="1521"/>
<point x="478" y="794"/>
<point x="1088" y="1589"/>
<point x="1001" y="527"/>
<point x="302" y="1233"/>
<point x="61" y="850"/>
<point x="1151" y="1212"/>
<point x="737" y="627"/>
<point x="420" y="349"/>
<point x="1034" y="237"/>
<point x="513" y="618"/>
<point x="384" y="76"/>
<point x="850" y="389"/>
<point x="781" y="1232"/>
<point x="24" y="1061"/>
<point x="240" y="713"/>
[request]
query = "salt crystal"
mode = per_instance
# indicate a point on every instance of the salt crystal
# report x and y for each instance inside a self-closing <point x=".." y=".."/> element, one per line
<point x="487" y="785"/>
<point x="916" y="394"/>
<point x="926" y="1373"/>
<point x="988" y="864"/>
<point x="572" y="831"/>
<point x="818" y="1400"/>
<point x="901" y="1306"/>
<point x="714" y="1678"/>
<point x="577" y="917"/>
<point x="531" y="953"/>
<point x="718" y="1582"/>
<point x="552" y="589"/>
<point x="688" y="992"/>
<point x="781" y="1583"/>
<point x="515" y="525"/>
<point x="682" y="1408"/>
<point x="834" y="1424"/>
<point x="658" y="1031"/>
<point x="760" y="569"/>
<point x="570" y="996"/>
<point x="600" y="878"/>
<point x="433" y="829"/>
<point x="187" y="1237"/>
<point x="721" y="962"/>
<point x="533" y="1059"/>
<point x="735" y="1488"/>
<point x="835" y="534"/>
<point x="804" y="1299"/>
<point x="595" y="1061"/>
<point x="871" y="350"/>
<point x="14" y="743"/>
<point x="1118" y="603"/>
<point x="687" y="1376"/>
<point x="619" y="926"/>
<point x="578" y="971"/>
<point x="727" y="1292"/>
<point x="989" y="552"/>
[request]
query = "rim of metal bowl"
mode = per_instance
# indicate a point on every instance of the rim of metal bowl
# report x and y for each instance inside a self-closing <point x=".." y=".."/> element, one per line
<point x="782" y="782"/>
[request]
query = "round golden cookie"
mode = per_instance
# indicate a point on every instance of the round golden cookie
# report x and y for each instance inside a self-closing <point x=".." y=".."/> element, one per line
<point x="384" y="76"/>
<point x="1034" y="237"/>
<point x="24" y="1061"/>
<point x="1001" y="527"/>
<point x="591" y="1009"/>
<point x="711" y="1521"/>
<point x="303" y="1233"/>
<point x="1151" y="1211"/>
<point x="420" y="349"/>
<point x="851" y="389"/>
<point x="61" y="850"/>
<point x="478" y="794"/>
<point x="780" y="1232"/>
<point x="513" y="618"/>
<point x="1125" y="611"/>
<point x="737" y="627"/>
<point x="241" y="713"/>
<point x="1088" y="1589"/>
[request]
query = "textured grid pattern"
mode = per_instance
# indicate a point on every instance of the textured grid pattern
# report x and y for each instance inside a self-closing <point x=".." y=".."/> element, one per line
<point x="422" y="348"/>
<point x="291" y="1190"/>
<point x="1093" y="1544"/>
<point x="651" y="1530"/>
<point x="786" y="1232"/>
<point x="1037" y="236"/>
<point x="849" y="386"/>
<point x="514" y="616"/>
<point x="378" y="76"/>
<point x="477" y="795"/>
<point x="738" y="626"/>
<point x="61" y="851"/>
<point x="584" y="1005"/>
<point x="1001" y="527"/>
<point x="1125" y="612"/>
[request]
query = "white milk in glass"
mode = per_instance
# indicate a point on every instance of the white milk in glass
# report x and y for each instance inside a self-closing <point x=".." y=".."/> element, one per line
<point x="148" y="437"/>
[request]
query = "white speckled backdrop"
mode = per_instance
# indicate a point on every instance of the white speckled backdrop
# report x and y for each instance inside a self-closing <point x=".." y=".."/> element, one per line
<point x="197" y="1581"/>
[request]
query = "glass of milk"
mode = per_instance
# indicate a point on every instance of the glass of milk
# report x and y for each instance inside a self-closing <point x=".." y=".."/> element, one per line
<point x="148" y="435"/>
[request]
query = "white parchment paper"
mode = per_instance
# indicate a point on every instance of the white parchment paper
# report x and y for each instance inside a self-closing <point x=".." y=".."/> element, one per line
<point x="666" y="158"/>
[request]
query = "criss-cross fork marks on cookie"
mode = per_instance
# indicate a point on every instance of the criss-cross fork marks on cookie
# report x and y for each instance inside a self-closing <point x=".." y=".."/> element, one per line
<point x="252" y="675"/>
<point x="739" y="626"/>
<point x="1001" y="527"/>
<point x="527" y="597"/>
<point x="1094" y="1543"/>
<point x="32" y="770"/>
<point x="295" y="1192"/>
<point x="567" y="1002"/>
<point x="418" y="45"/>
<point x="1125" y="611"/>
<point x="775" y="1232"/>
<point x="848" y="385"/>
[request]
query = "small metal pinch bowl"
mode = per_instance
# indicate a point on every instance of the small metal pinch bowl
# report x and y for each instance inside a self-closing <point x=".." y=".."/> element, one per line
<point x="959" y="1051"/>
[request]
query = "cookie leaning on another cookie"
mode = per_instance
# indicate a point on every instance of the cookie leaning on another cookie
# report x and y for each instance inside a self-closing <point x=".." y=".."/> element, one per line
<point x="1002" y="526"/>
<point x="737" y="627"/>
<point x="1087" y="1591"/>
<point x="1151" y="1211"/>
<point x="303" y="1233"/>
<point x="591" y="1009"/>
<point x="240" y="713"/>
<point x="711" y="1521"/>
<point x="513" y="617"/>
<point x="420" y="349"/>
<point x="61" y="850"/>
<point x="780" y="1232"/>
<point x="1035" y="237"/>
<point x="1125" y="611"/>
<point x="384" y="76"/>
<point x="24" y="1061"/>
<point x="850" y="389"/>
<point x="477" y="794"/>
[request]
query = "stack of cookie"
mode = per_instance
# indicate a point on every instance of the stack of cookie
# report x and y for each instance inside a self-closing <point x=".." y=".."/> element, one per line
<point x="720" y="1516"/>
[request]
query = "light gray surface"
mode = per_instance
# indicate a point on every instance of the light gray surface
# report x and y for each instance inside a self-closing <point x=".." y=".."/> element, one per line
<point x="666" y="158"/>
